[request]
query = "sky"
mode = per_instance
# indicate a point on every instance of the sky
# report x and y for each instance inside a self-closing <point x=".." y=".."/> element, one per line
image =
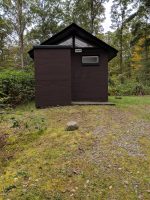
<point x="106" y="24"/>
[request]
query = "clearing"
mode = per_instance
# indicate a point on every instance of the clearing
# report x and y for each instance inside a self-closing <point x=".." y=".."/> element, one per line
<point x="108" y="157"/>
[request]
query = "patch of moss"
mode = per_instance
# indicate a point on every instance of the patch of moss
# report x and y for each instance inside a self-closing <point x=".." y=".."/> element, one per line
<point x="48" y="162"/>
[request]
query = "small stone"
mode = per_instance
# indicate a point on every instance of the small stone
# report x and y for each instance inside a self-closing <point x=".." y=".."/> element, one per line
<point x="140" y="197"/>
<point x="81" y="149"/>
<point x="110" y="187"/>
<point x="25" y="185"/>
<point x="63" y="191"/>
<point x="15" y="179"/>
<point x="71" y="126"/>
<point x="136" y="186"/>
<point x="87" y="181"/>
<point x="75" y="171"/>
<point x="24" y="190"/>
<point x="126" y="182"/>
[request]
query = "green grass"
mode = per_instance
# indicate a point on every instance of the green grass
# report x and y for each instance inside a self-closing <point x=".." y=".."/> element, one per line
<point x="131" y="100"/>
<point x="135" y="103"/>
<point x="108" y="157"/>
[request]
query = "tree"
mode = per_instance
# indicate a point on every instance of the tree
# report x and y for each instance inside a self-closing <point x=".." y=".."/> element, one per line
<point x="120" y="12"/>
<point x="140" y="43"/>
<point x="48" y="19"/>
<point x="96" y="11"/>
<point x="5" y="31"/>
<point x="141" y="26"/>
<point x="86" y="13"/>
<point x="18" y="12"/>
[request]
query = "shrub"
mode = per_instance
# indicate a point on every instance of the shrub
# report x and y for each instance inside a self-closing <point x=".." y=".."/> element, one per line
<point x="129" y="88"/>
<point x="138" y="89"/>
<point x="16" y="87"/>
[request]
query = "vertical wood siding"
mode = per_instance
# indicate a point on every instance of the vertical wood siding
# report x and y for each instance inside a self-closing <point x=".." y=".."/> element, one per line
<point x="89" y="83"/>
<point x="53" y="77"/>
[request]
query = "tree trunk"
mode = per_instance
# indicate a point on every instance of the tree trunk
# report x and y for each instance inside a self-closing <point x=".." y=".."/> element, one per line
<point x="92" y="17"/>
<point x="20" y="31"/>
<point x="22" y="50"/>
<point x="121" y="54"/>
<point x="146" y="45"/>
<point x="121" y="44"/>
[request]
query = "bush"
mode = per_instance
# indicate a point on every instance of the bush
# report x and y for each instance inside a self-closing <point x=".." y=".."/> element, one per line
<point x="129" y="88"/>
<point x="16" y="87"/>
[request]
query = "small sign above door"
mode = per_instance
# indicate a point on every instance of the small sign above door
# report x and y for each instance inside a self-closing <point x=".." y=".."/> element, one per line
<point x="78" y="50"/>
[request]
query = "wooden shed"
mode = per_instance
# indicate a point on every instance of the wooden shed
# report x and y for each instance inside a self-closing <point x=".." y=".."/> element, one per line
<point x="71" y="66"/>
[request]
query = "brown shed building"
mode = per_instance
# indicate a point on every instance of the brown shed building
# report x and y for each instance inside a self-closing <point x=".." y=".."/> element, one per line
<point x="71" y="66"/>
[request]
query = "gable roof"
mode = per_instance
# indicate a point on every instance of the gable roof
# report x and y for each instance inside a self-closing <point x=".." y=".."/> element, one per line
<point x="76" y="30"/>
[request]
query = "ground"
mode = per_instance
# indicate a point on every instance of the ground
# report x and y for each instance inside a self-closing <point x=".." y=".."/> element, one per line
<point x="108" y="157"/>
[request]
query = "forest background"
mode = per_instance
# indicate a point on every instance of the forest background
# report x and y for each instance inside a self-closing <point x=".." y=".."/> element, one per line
<point x="24" y="23"/>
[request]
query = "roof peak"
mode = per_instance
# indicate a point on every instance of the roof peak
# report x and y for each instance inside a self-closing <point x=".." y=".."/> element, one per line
<point x="74" y="29"/>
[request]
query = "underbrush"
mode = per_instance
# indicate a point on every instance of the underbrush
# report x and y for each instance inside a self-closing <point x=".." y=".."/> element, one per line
<point x="129" y="88"/>
<point x="16" y="87"/>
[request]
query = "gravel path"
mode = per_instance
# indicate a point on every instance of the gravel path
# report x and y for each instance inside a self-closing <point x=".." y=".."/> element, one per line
<point x="119" y="134"/>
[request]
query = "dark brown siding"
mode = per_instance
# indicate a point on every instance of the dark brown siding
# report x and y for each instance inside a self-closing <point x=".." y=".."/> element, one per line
<point x="89" y="83"/>
<point x="53" y="77"/>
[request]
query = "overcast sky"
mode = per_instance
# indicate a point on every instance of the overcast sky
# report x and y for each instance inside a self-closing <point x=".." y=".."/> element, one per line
<point x="106" y="24"/>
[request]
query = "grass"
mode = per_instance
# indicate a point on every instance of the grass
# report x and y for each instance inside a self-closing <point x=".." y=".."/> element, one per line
<point x="108" y="157"/>
<point x="131" y="100"/>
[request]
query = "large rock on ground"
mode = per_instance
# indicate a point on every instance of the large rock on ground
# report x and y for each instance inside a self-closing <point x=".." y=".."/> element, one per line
<point x="71" y="126"/>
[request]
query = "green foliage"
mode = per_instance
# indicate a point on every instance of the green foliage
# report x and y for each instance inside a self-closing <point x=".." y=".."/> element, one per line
<point x="9" y="188"/>
<point x="144" y="73"/>
<point x="24" y="23"/>
<point x="132" y="62"/>
<point x="129" y="88"/>
<point x="19" y="15"/>
<point x="47" y="16"/>
<point x="23" y="174"/>
<point x="89" y="14"/>
<point x="5" y="30"/>
<point x="16" y="87"/>
<point x="15" y="123"/>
